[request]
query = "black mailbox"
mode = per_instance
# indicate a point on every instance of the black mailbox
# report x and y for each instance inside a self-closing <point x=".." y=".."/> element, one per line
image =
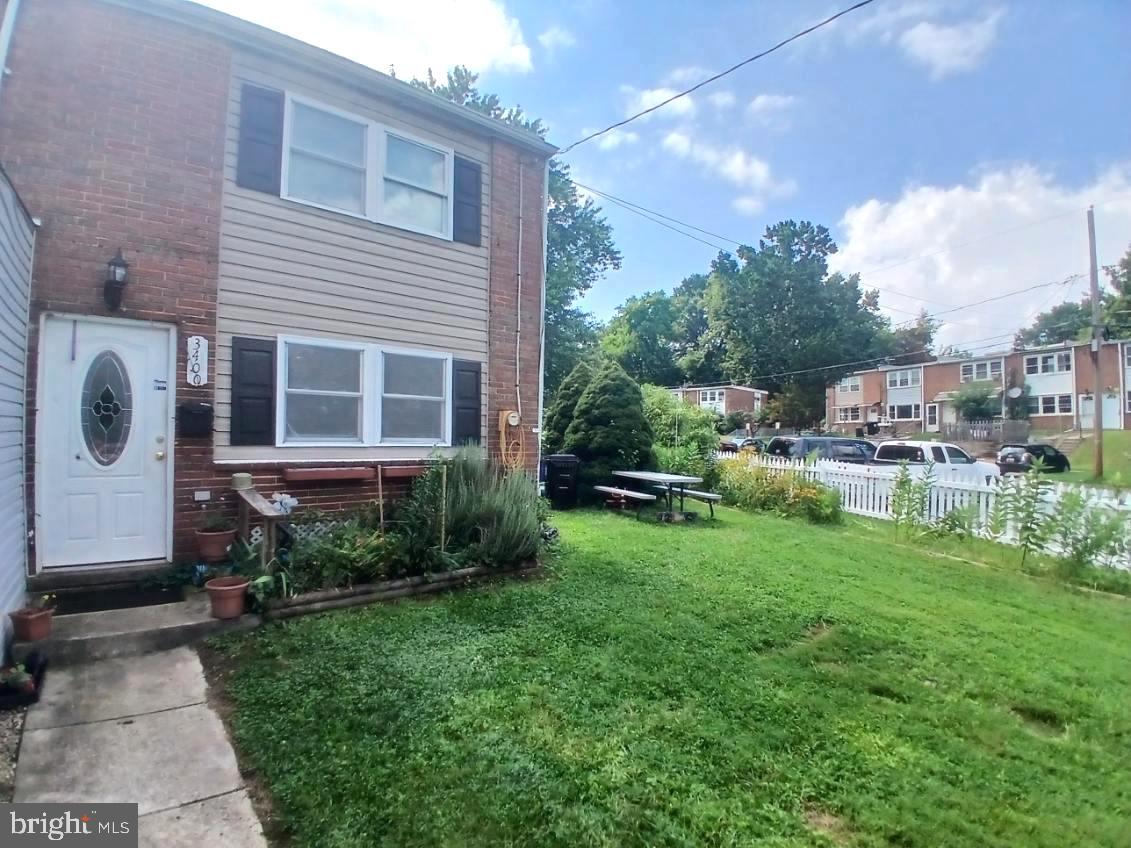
<point x="194" y="419"/>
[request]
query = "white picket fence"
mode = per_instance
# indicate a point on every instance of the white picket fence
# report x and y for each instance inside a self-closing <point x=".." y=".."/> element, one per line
<point x="867" y="490"/>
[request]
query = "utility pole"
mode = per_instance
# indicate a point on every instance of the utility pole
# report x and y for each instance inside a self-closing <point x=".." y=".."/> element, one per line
<point x="1097" y="343"/>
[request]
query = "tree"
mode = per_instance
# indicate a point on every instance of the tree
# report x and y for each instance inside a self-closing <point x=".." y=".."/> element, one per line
<point x="640" y="338"/>
<point x="675" y="422"/>
<point x="977" y="401"/>
<point x="911" y="344"/>
<point x="560" y="412"/>
<point x="698" y="354"/>
<point x="1117" y="310"/>
<point x="609" y="432"/>
<point x="579" y="241"/>
<point x="780" y="318"/>
<point x="1067" y="321"/>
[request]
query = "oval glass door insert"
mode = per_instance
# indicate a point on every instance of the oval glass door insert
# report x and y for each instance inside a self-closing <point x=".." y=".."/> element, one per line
<point x="107" y="408"/>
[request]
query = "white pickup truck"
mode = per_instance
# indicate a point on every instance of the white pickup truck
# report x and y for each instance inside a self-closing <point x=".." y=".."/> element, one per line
<point x="950" y="461"/>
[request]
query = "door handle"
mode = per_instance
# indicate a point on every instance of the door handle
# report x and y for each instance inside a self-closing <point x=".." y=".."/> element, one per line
<point x="160" y="454"/>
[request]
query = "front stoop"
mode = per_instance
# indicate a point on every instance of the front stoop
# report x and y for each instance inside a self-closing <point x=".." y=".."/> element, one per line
<point x="139" y="730"/>
<point x="88" y="636"/>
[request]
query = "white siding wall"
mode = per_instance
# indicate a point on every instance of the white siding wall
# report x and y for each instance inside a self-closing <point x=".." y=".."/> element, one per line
<point x="286" y="268"/>
<point x="17" y="245"/>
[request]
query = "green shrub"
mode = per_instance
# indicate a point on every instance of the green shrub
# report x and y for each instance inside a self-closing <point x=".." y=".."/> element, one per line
<point x="342" y="556"/>
<point x="560" y="412"/>
<point x="758" y="489"/>
<point x="609" y="432"/>
<point x="1084" y="536"/>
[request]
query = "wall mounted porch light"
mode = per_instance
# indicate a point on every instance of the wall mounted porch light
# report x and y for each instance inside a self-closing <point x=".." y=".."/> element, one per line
<point x="117" y="275"/>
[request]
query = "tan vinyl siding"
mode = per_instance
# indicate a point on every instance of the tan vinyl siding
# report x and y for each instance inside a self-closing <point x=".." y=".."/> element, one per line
<point x="286" y="268"/>
<point x="17" y="246"/>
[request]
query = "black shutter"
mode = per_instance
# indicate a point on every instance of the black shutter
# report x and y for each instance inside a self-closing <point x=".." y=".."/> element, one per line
<point x="260" y="158"/>
<point x="253" y="391"/>
<point x="467" y="414"/>
<point x="467" y="212"/>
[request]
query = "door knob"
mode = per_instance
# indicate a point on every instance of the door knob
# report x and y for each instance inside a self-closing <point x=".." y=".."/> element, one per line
<point x="160" y="454"/>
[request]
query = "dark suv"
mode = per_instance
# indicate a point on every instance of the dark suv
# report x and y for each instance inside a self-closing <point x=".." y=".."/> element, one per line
<point x="839" y="449"/>
<point x="1020" y="458"/>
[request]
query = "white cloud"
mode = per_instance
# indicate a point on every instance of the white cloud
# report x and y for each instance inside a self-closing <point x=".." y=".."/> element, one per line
<point x="952" y="49"/>
<point x="722" y="99"/>
<point x="476" y="33"/>
<point x="613" y="138"/>
<point x="638" y="100"/>
<point x="687" y="75"/>
<point x="734" y="165"/>
<point x="919" y="30"/>
<point x="556" y="38"/>
<point x="963" y="243"/>
<point x="747" y="205"/>
<point x="772" y="110"/>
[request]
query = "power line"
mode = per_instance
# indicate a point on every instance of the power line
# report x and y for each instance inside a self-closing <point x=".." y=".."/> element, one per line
<point x="717" y="76"/>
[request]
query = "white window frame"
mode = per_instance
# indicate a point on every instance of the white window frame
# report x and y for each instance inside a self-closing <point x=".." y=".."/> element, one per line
<point x="904" y="378"/>
<point x="849" y="384"/>
<point x="1128" y="403"/>
<point x="916" y="411"/>
<point x="1127" y="355"/>
<point x="991" y="370"/>
<point x="372" y="394"/>
<point x="1039" y="401"/>
<point x="848" y="414"/>
<point x="1057" y="363"/>
<point x="376" y="144"/>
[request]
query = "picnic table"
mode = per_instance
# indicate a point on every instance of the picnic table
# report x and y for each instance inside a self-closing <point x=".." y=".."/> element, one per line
<point x="670" y="482"/>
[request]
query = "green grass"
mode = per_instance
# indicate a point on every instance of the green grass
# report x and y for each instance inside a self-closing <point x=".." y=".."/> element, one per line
<point x="1117" y="460"/>
<point x="752" y="681"/>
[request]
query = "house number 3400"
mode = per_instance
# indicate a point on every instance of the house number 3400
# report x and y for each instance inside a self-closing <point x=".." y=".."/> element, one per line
<point x="196" y="366"/>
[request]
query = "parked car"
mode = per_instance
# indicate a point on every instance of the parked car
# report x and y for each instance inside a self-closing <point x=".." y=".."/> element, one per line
<point x="945" y="456"/>
<point x="858" y="451"/>
<point x="1019" y="459"/>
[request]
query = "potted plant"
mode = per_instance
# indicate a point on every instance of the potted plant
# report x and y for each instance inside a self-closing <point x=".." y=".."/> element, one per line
<point x="20" y="684"/>
<point x="214" y="536"/>
<point x="228" y="595"/>
<point x="33" y="622"/>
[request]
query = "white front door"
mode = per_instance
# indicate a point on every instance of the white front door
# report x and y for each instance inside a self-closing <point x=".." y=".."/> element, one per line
<point x="932" y="417"/>
<point x="104" y="439"/>
<point x="1113" y="417"/>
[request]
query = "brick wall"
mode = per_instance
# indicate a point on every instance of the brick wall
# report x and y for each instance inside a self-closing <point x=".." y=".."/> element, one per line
<point x="111" y="126"/>
<point x="503" y="294"/>
<point x="738" y="401"/>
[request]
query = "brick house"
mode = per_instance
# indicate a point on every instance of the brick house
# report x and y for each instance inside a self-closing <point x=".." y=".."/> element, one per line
<point x="921" y="397"/>
<point x="330" y="272"/>
<point x="723" y="399"/>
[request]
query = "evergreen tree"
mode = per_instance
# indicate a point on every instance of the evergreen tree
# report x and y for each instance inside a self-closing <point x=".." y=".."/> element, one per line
<point x="609" y="431"/>
<point x="559" y="414"/>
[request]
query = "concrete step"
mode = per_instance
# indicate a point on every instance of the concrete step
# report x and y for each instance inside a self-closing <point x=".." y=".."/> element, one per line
<point x="104" y="576"/>
<point x="89" y="636"/>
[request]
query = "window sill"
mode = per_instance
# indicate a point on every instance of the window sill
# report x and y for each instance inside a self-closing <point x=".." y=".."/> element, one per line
<point x="357" y="216"/>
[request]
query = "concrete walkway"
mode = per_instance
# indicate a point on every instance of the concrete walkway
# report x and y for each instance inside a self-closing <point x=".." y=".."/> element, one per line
<point x="139" y="730"/>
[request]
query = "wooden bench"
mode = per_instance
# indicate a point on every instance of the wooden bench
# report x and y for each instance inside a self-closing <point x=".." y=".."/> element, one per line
<point x="252" y="501"/>
<point x="709" y="498"/>
<point x="620" y="497"/>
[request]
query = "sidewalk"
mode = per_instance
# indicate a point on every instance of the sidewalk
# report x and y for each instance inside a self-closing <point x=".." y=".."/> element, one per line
<point x="139" y="730"/>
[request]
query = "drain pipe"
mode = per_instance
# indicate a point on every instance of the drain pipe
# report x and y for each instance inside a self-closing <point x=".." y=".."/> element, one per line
<point x="542" y="302"/>
<point x="518" y="304"/>
<point x="6" y="29"/>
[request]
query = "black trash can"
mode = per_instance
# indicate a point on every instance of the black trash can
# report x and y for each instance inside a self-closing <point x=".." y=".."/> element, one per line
<point x="561" y="480"/>
<point x="860" y="432"/>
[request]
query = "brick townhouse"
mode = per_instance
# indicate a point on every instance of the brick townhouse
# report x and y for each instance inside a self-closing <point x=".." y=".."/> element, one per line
<point x="723" y="399"/>
<point x="254" y="255"/>
<point x="1060" y="380"/>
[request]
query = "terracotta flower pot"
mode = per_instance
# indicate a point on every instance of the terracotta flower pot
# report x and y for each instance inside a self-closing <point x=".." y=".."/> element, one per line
<point x="31" y="625"/>
<point x="227" y="595"/>
<point x="213" y="545"/>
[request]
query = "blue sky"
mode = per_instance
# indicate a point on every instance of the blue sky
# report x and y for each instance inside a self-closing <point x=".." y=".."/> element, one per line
<point x="951" y="146"/>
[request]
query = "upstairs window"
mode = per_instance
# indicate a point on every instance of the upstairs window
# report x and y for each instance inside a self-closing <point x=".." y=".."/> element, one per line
<point x="978" y="371"/>
<point x="904" y="378"/>
<point x="849" y="384"/>
<point x="1049" y="363"/>
<point x="346" y="163"/>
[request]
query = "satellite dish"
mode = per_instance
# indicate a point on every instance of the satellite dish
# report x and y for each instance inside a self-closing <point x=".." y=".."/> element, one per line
<point x="1014" y="393"/>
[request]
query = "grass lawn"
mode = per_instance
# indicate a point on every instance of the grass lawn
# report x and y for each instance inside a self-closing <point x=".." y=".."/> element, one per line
<point x="1117" y="460"/>
<point x="752" y="681"/>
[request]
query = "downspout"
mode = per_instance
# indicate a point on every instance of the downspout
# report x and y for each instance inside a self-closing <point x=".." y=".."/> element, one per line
<point x="542" y="306"/>
<point x="518" y="304"/>
<point x="6" y="29"/>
